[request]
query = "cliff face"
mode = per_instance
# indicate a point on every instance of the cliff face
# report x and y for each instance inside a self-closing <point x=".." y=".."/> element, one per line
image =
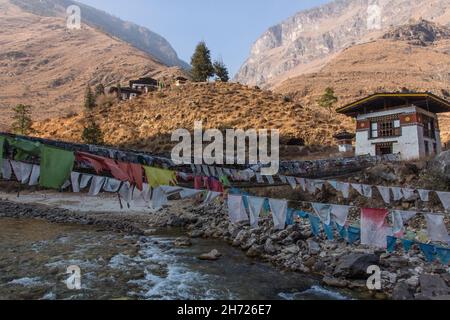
<point x="307" y="41"/>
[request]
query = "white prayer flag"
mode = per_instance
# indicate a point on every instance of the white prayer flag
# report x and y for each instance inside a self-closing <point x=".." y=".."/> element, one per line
<point x="279" y="213"/>
<point x="236" y="208"/>
<point x="445" y="199"/>
<point x="255" y="206"/>
<point x="436" y="228"/>
<point x="385" y="194"/>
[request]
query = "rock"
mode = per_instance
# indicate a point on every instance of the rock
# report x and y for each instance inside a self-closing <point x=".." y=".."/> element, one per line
<point x="293" y="249"/>
<point x="334" y="282"/>
<point x="269" y="247"/>
<point x="354" y="265"/>
<point x="182" y="242"/>
<point x="432" y="285"/>
<point x="211" y="256"/>
<point x="413" y="281"/>
<point x="310" y="262"/>
<point x="255" y="251"/>
<point x="313" y="247"/>
<point x="320" y="266"/>
<point x="402" y="291"/>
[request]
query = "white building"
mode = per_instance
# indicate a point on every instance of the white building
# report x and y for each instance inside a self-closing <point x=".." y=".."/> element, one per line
<point x="398" y="123"/>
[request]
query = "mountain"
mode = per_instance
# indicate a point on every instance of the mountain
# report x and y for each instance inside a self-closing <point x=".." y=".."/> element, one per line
<point x="44" y="64"/>
<point x="140" y="37"/>
<point x="413" y="57"/>
<point x="146" y="123"/>
<point x="307" y="41"/>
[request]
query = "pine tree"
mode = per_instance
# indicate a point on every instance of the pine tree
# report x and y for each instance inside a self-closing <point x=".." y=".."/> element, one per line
<point x="328" y="99"/>
<point x="92" y="134"/>
<point x="22" y="120"/>
<point x="89" y="99"/>
<point x="221" y="71"/>
<point x="202" y="67"/>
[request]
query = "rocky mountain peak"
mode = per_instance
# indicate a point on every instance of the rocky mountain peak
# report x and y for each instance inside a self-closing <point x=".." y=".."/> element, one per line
<point x="305" y="42"/>
<point x="422" y="33"/>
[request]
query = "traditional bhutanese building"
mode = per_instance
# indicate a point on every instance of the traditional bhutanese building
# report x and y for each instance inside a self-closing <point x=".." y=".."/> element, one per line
<point x="397" y="123"/>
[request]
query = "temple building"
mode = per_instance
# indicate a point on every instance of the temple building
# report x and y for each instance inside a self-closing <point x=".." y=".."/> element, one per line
<point x="397" y="123"/>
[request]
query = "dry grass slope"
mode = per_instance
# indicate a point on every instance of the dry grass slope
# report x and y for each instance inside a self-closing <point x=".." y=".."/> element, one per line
<point x="147" y="122"/>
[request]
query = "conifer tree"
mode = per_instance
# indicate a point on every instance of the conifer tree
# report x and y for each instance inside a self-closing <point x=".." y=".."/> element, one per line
<point x="221" y="71"/>
<point x="22" y="121"/>
<point x="202" y="67"/>
<point x="327" y="100"/>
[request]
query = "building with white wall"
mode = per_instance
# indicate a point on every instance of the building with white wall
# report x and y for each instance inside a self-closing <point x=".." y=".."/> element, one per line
<point x="397" y="123"/>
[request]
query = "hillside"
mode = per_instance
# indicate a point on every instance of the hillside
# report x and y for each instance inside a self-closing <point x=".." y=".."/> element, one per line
<point x="138" y="36"/>
<point x="44" y="64"/>
<point x="308" y="40"/>
<point x="147" y="122"/>
<point x="403" y="60"/>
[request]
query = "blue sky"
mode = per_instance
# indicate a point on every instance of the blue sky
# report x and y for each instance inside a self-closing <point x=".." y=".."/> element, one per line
<point x="229" y="27"/>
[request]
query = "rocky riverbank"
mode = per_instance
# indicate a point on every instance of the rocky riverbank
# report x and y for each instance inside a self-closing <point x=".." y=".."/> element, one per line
<point x="403" y="276"/>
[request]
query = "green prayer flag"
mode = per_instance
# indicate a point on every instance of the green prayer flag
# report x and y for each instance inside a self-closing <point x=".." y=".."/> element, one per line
<point x="56" y="166"/>
<point x="24" y="148"/>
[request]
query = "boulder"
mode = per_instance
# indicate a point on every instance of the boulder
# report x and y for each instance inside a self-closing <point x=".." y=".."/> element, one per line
<point x="211" y="256"/>
<point x="182" y="242"/>
<point x="402" y="291"/>
<point x="313" y="247"/>
<point x="354" y="265"/>
<point x="432" y="285"/>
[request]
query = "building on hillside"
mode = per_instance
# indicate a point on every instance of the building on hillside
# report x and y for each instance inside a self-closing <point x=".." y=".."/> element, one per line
<point x="179" y="81"/>
<point x="124" y="93"/>
<point x="397" y="123"/>
<point x="345" y="141"/>
<point x="144" y="84"/>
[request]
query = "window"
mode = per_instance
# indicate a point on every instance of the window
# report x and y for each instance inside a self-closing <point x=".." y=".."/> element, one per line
<point x="388" y="126"/>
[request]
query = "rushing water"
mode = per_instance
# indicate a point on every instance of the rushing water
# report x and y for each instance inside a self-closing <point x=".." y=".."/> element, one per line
<point x="34" y="256"/>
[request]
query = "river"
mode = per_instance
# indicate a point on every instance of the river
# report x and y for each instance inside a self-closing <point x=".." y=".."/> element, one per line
<point x="35" y="255"/>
